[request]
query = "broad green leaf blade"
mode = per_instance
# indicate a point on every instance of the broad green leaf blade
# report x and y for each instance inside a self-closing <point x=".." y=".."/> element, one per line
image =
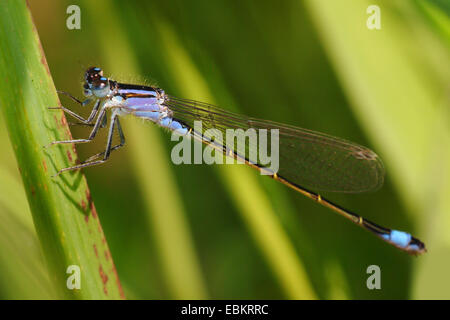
<point x="63" y="211"/>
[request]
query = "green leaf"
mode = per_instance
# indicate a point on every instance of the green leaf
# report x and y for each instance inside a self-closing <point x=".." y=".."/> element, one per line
<point x="63" y="211"/>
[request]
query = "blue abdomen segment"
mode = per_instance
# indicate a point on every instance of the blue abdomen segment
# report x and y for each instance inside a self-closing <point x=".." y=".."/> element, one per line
<point x="401" y="239"/>
<point x="174" y="125"/>
<point x="163" y="121"/>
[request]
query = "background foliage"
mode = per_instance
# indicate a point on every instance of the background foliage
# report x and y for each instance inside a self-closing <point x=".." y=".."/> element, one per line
<point x="197" y="231"/>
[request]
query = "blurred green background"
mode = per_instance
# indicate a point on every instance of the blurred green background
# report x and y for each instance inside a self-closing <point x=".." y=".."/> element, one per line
<point x="224" y="232"/>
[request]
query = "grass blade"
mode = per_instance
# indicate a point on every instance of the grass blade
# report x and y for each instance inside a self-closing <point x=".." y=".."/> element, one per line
<point x="404" y="111"/>
<point x="63" y="212"/>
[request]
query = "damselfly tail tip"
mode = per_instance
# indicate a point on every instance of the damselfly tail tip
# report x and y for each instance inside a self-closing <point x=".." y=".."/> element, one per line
<point x="405" y="241"/>
<point x="416" y="247"/>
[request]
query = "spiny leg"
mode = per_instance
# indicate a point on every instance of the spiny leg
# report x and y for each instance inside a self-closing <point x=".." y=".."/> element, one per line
<point x="82" y="103"/>
<point x="91" y="136"/>
<point x="121" y="144"/>
<point x="77" y="116"/>
<point x="106" y="153"/>
<point x="89" y="124"/>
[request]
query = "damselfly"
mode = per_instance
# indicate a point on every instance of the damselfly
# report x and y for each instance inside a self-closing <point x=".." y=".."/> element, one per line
<point x="308" y="159"/>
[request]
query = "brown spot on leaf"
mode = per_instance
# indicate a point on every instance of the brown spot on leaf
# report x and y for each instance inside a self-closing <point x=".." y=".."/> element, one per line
<point x="93" y="211"/>
<point x="91" y="204"/>
<point x="119" y="285"/>
<point x="63" y="120"/>
<point x="44" y="62"/>
<point x="44" y="165"/>
<point x="84" y="205"/>
<point x="104" y="278"/>
<point x="88" y="196"/>
<point x="95" y="250"/>
<point x="56" y="121"/>
<point x="103" y="275"/>
<point x="69" y="134"/>
<point x="69" y="155"/>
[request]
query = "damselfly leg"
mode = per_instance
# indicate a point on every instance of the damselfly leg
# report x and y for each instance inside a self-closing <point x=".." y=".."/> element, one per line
<point x="91" y="136"/>
<point x="82" y="103"/>
<point x="121" y="144"/>
<point x="80" y="118"/>
<point x="109" y="148"/>
<point x="89" y="124"/>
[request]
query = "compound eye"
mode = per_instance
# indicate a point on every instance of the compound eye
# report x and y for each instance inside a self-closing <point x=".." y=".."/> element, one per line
<point x="92" y="74"/>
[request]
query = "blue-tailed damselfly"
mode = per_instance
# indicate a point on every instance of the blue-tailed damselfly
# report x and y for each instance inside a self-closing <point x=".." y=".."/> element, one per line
<point x="308" y="159"/>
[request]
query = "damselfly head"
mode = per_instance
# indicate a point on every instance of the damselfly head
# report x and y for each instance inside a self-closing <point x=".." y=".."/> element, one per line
<point x="95" y="83"/>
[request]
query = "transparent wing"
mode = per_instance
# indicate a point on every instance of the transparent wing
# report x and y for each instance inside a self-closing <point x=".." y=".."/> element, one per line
<point x="306" y="158"/>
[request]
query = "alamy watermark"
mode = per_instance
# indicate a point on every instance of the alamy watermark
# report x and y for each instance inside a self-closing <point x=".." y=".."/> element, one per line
<point x="374" y="20"/>
<point x="73" y="21"/>
<point x="374" y="280"/>
<point x="74" y="278"/>
<point x="256" y="146"/>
